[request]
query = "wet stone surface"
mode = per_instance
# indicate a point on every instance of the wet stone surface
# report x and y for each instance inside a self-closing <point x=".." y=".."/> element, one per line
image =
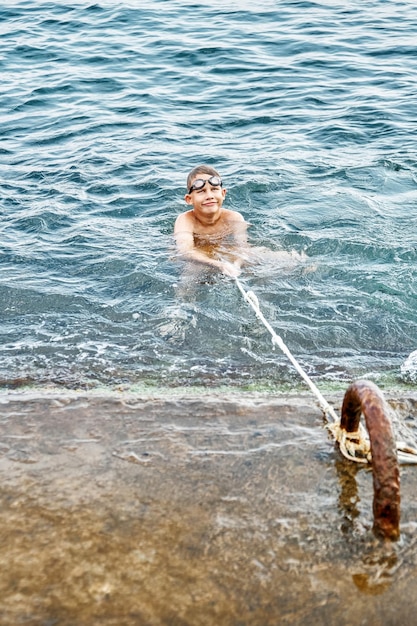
<point x="233" y="510"/>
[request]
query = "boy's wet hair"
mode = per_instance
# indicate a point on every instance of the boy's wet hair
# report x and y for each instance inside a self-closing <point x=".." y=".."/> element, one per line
<point x="201" y="169"/>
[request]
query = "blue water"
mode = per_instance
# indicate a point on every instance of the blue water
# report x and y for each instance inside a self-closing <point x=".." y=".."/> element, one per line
<point x="308" y="110"/>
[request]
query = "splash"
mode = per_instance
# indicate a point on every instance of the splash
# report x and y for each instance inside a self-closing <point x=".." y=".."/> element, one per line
<point x="409" y="368"/>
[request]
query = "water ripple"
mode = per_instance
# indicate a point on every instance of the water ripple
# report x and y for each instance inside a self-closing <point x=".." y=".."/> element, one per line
<point x="308" y="112"/>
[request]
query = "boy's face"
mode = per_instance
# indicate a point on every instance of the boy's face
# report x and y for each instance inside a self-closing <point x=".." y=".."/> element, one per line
<point x="206" y="201"/>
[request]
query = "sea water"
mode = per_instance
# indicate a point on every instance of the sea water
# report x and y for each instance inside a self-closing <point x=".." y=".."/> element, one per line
<point x="308" y="111"/>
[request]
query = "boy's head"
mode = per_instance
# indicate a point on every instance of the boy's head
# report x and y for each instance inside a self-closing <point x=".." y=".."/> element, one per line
<point x="205" y="191"/>
<point x="200" y="169"/>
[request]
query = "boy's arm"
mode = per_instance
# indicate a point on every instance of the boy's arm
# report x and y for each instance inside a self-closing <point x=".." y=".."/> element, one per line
<point x="184" y="237"/>
<point x="240" y="234"/>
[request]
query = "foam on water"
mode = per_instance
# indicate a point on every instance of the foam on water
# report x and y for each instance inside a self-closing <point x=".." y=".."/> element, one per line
<point x="409" y="368"/>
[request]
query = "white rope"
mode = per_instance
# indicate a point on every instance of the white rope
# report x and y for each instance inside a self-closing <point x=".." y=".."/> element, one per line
<point x="252" y="300"/>
<point x="351" y="444"/>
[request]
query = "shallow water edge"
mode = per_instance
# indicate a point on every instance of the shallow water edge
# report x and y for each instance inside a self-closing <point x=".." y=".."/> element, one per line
<point x="127" y="508"/>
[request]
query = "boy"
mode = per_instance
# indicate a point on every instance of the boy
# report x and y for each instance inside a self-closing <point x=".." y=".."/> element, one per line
<point x="208" y="233"/>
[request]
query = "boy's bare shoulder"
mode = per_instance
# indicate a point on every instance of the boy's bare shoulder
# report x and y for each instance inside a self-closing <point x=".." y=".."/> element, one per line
<point x="233" y="216"/>
<point x="184" y="218"/>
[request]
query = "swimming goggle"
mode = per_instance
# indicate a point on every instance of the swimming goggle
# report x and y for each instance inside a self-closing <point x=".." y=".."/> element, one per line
<point x="215" y="181"/>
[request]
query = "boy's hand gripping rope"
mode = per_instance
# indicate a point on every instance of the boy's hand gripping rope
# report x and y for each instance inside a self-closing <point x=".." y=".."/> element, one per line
<point x="354" y="446"/>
